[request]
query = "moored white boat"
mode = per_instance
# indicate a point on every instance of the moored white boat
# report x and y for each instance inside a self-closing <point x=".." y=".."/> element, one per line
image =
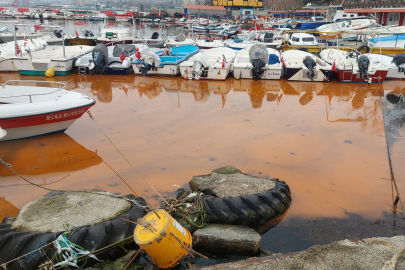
<point x="209" y="44"/>
<point x="179" y="40"/>
<point x="24" y="46"/>
<point x="163" y="62"/>
<point x="212" y="64"/>
<point x="353" y="67"/>
<point x="238" y="44"/>
<point x="112" y="36"/>
<point x="27" y="111"/>
<point x="215" y="28"/>
<point x="393" y="41"/>
<point x="328" y="31"/>
<point x="37" y="63"/>
<point x="6" y="36"/>
<point x="107" y="60"/>
<point x="257" y="62"/>
<point x="395" y="65"/>
<point x="304" y="66"/>
<point x="155" y="41"/>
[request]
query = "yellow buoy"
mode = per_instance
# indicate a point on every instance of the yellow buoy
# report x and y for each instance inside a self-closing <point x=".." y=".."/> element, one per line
<point x="50" y="72"/>
<point x="157" y="236"/>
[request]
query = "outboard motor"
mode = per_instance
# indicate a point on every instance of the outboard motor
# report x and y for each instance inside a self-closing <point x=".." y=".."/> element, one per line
<point x="200" y="67"/>
<point x="180" y="37"/>
<point x="235" y="33"/>
<point x="363" y="62"/>
<point x="310" y="63"/>
<point x="100" y="59"/>
<point x="88" y="33"/>
<point x="151" y="61"/>
<point x="57" y="33"/>
<point x="398" y="60"/>
<point x="268" y="37"/>
<point x="155" y="35"/>
<point x="258" y="56"/>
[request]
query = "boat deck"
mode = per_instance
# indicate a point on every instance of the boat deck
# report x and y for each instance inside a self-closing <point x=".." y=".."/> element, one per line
<point x="56" y="53"/>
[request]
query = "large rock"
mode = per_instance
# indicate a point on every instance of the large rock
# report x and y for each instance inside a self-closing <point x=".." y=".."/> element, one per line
<point x="233" y="239"/>
<point x="230" y="182"/>
<point x="71" y="209"/>
<point x="377" y="253"/>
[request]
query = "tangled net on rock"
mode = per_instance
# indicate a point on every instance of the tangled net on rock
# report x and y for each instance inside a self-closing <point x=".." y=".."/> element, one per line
<point x="192" y="219"/>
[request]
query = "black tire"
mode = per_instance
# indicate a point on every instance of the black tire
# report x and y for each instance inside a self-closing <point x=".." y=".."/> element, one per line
<point x="249" y="209"/>
<point x="363" y="47"/>
<point x="15" y="244"/>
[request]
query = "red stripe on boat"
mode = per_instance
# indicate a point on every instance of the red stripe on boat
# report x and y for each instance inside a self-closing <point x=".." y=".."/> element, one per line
<point x="43" y="119"/>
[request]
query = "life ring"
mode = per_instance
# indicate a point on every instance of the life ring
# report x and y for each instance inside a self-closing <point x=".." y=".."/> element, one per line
<point x="15" y="244"/>
<point x="249" y="209"/>
<point x="363" y="47"/>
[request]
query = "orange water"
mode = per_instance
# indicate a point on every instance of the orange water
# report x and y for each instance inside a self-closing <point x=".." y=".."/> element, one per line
<point x="326" y="140"/>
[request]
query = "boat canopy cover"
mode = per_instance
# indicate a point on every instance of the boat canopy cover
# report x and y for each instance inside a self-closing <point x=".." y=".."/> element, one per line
<point x="180" y="37"/>
<point x="151" y="57"/>
<point x="199" y="57"/>
<point x="126" y="49"/>
<point x="100" y="49"/>
<point x="259" y="51"/>
<point x="273" y="59"/>
<point x="268" y="37"/>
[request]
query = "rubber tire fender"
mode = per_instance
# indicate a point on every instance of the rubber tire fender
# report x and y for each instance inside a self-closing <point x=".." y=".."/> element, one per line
<point x="362" y="47"/>
<point x="249" y="209"/>
<point x="15" y="244"/>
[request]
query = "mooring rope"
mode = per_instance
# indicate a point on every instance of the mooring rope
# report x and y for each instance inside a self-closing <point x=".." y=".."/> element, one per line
<point x="398" y="198"/>
<point x="73" y="191"/>
<point x="157" y="192"/>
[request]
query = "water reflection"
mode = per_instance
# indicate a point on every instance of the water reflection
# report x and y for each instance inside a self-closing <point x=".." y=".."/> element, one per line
<point x="46" y="154"/>
<point x="7" y="209"/>
<point x="102" y="86"/>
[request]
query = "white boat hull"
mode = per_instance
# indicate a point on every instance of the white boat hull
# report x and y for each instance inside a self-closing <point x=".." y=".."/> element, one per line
<point x="218" y="74"/>
<point x="153" y="43"/>
<point x="246" y="73"/>
<point x="32" y="131"/>
<point x="7" y="65"/>
<point x="166" y="70"/>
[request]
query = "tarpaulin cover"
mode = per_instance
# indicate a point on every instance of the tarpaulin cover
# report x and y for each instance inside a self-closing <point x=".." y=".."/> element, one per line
<point x="259" y="51"/>
<point x="150" y="57"/>
<point x="126" y="49"/>
<point x="273" y="59"/>
<point x="181" y="37"/>
<point x="103" y="50"/>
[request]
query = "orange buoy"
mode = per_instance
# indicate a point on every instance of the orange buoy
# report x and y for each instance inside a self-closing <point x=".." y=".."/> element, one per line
<point x="157" y="236"/>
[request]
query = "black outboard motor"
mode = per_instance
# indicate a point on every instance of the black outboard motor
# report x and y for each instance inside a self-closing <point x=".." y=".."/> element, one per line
<point x="268" y="37"/>
<point x="236" y="32"/>
<point x="151" y="61"/>
<point x="57" y="33"/>
<point x="310" y="63"/>
<point x="363" y="62"/>
<point x="145" y="69"/>
<point x="155" y="35"/>
<point x="398" y="60"/>
<point x="258" y="55"/>
<point x="88" y="33"/>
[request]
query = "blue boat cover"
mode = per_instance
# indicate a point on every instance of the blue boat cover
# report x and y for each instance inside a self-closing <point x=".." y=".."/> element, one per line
<point x="273" y="59"/>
